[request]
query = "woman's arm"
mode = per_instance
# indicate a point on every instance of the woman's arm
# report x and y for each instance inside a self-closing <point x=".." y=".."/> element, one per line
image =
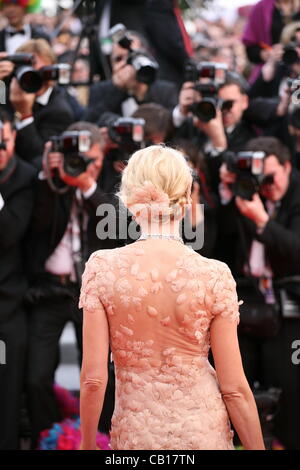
<point x="235" y="389"/>
<point x="93" y="378"/>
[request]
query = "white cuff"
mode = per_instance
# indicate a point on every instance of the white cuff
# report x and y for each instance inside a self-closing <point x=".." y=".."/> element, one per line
<point x="1" y="202"/>
<point x="90" y="191"/>
<point x="178" y="117"/>
<point x="225" y="193"/>
<point x="42" y="176"/>
<point x="21" y="124"/>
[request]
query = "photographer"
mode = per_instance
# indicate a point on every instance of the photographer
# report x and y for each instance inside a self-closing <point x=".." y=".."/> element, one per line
<point x="16" y="204"/>
<point x="63" y="235"/>
<point x="283" y="63"/>
<point x="263" y="29"/>
<point x="122" y="95"/>
<point x="154" y="126"/>
<point x="42" y="114"/>
<point x="265" y="248"/>
<point x="219" y="126"/>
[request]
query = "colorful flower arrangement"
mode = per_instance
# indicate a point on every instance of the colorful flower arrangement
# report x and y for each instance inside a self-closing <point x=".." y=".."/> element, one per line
<point x="31" y="5"/>
<point x="66" y="435"/>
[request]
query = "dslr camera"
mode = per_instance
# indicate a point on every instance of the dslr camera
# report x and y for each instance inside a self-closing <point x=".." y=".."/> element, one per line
<point x="128" y="134"/>
<point x="73" y="144"/>
<point x="207" y="77"/>
<point x="290" y="55"/>
<point x="31" y="80"/>
<point x="144" y="65"/>
<point x="249" y="168"/>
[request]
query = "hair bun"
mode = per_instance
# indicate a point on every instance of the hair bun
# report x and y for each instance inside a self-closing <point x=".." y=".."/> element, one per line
<point x="148" y="194"/>
<point x="147" y="199"/>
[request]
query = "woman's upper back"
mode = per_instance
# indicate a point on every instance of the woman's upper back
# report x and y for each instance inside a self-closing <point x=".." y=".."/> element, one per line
<point x="160" y="298"/>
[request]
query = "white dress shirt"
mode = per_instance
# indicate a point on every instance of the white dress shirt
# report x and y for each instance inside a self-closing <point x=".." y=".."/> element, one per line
<point x="43" y="100"/>
<point x="62" y="259"/>
<point x="12" y="43"/>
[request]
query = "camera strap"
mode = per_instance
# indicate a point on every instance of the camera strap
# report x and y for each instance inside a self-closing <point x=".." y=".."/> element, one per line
<point x="79" y="223"/>
<point x="264" y="282"/>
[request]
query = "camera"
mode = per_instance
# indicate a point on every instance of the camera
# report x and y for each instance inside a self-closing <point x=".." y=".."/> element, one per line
<point x="128" y="133"/>
<point x="207" y="77"/>
<point x="72" y="144"/>
<point x="31" y="80"/>
<point x="144" y="65"/>
<point x="249" y="168"/>
<point x="290" y="55"/>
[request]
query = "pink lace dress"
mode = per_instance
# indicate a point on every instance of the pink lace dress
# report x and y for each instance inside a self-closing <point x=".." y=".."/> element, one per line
<point x="160" y="298"/>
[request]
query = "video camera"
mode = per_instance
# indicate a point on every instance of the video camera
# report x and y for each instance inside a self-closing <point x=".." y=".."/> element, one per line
<point x="145" y="66"/>
<point x="72" y="144"/>
<point x="31" y="80"/>
<point x="128" y="133"/>
<point x="249" y="168"/>
<point x="207" y="77"/>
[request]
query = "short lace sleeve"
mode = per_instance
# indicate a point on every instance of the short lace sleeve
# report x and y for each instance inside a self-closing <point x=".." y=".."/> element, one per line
<point x="225" y="301"/>
<point x="89" y="295"/>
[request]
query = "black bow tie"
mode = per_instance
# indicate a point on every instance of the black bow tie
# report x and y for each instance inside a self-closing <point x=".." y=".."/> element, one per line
<point x="13" y="33"/>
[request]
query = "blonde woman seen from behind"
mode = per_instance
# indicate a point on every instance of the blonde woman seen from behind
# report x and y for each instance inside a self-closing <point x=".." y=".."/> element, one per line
<point x="161" y="306"/>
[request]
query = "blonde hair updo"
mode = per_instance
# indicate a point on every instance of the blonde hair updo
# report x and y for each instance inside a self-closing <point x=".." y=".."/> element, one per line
<point x="158" y="179"/>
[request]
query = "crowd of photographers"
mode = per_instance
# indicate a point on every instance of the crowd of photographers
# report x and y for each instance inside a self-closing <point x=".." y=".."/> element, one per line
<point x="64" y="141"/>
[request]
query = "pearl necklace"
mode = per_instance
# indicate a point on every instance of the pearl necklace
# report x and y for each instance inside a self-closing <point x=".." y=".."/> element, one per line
<point x="145" y="236"/>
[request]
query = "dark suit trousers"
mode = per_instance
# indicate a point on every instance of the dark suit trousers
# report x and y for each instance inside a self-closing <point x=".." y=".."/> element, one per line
<point x="270" y="363"/>
<point x="13" y="332"/>
<point x="47" y="320"/>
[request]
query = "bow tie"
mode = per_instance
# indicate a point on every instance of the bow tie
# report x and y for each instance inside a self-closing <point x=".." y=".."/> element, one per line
<point x="13" y="33"/>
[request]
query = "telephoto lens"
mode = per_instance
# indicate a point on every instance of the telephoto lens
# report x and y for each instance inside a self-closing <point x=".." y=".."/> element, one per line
<point x="145" y="67"/>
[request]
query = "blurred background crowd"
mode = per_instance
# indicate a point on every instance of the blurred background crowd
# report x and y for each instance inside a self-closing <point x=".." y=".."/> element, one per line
<point x="83" y="84"/>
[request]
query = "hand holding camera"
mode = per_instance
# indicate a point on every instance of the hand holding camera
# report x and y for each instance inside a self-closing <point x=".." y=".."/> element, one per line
<point x="214" y="129"/>
<point x="6" y="66"/>
<point x="138" y="64"/>
<point x="226" y="176"/>
<point x="188" y="95"/>
<point x="124" y="77"/>
<point x="55" y="162"/>
<point x="243" y="173"/>
<point x="65" y="155"/>
<point x="253" y="210"/>
<point x="30" y="79"/>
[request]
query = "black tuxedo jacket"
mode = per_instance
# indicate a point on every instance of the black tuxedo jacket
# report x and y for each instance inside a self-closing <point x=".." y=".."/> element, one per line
<point x="49" y="120"/>
<point x="36" y="33"/>
<point x="18" y="195"/>
<point x="281" y="236"/>
<point x="50" y="220"/>
<point x="105" y="101"/>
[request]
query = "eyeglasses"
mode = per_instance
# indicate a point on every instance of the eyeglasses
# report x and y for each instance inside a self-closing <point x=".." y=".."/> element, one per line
<point x="226" y="105"/>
